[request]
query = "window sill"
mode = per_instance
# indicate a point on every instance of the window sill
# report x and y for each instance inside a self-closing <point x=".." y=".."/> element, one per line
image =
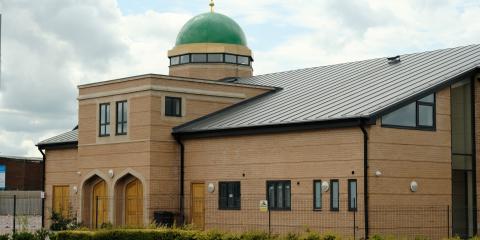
<point x="106" y="135"/>
<point x="430" y="129"/>
<point x="229" y="209"/>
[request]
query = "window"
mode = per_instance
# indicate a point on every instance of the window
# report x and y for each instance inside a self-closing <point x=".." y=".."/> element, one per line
<point x="278" y="195"/>
<point x="122" y="117"/>
<point x="243" y="60"/>
<point x="317" y="194"/>
<point x="352" y="195"/>
<point x="175" y="60"/>
<point x="173" y="106"/>
<point x="60" y="200"/>
<point x="184" y="59"/>
<point x="334" y="195"/>
<point x="199" y="57"/>
<point x="229" y="58"/>
<point x="229" y="195"/>
<point x="104" y="119"/>
<point x="215" y="57"/>
<point x="419" y="114"/>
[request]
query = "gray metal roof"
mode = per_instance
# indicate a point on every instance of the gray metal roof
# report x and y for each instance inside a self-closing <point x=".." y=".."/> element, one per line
<point x="341" y="91"/>
<point x="64" y="138"/>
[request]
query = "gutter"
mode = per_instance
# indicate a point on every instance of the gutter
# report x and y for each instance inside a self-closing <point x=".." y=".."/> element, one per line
<point x="43" y="185"/>
<point x="182" y="180"/>
<point x="365" y="176"/>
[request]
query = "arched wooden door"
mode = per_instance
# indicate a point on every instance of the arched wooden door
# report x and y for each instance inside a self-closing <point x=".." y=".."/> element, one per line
<point x="100" y="204"/>
<point x="134" y="203"/>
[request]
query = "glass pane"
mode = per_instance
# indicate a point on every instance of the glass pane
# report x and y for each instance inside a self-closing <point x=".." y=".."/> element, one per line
<point x="102" y="114"/>
<point x="215" y="57"/>
<point x="174" y="60"/>
<point x="425" y="115"/>
<point x="119" y="112"/>
<point x="199" y="57"/>
<point x="243" y="60"/>
<point x="125" y="108"/>
<point x="353" y="194"/>
<point x="428" y="99"/>
<point x="108" y="113"/>
<point x="107" y="129"/>
<point x="335" y="194"/>
<point x="177" y="106"/>
<point x="184" y="59"/>
<point x="404" y="116"/>
<point x="271" y="195"/>
<point x="280" y="195"/>
<point x="461" y="162"/>
<point x="229" y="58"/>
<point x="287" y="195"/>
<point x="461" y="118"/>
<point x="318" y="195"/>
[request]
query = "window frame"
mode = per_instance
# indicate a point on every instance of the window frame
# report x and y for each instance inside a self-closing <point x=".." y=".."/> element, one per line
<point x="275" y="183"/>
<point x="189" y="60"/>
<point x="239" y="195"/>
<point x="417" y="126"/>
<point x="350" y="208"/>
<point x="107" y="119"/>
<point x="124" y="122"/>
<point x="315" y="207"/>
<point x="179" y="105"/>
<point x="331" y="195"/>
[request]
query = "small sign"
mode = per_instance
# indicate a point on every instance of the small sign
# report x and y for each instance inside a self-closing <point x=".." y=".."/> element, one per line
<point x="263" y="206"/>
<point x="42" y="195"/>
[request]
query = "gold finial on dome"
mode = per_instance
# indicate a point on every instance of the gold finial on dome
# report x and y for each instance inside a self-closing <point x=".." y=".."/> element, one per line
<point x="212" y="4"/>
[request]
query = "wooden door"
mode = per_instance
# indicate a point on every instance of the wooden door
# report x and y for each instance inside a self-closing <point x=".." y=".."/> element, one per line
<point x="100" y="204"/>
<point x="198" y="205"/>
<point x="134" y="203"/>
<point x="61" y="200"/>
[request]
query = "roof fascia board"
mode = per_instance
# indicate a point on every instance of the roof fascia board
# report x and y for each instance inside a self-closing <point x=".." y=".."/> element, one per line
<point x="277" y="128"/>
<point x="166" y="77"/>
<point x="426" y="92"/>
<point x="60" y="145"/>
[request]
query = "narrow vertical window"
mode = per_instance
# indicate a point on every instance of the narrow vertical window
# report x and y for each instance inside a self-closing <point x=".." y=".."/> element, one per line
<point x="334" y="195"/>
<point x="229" y="195"/>
<point x="173" y="106"/>
<point x="104" y="127"/>
<point x="352" y="195"/>
<point x="279" y="194"/>
<point x="122" y="109"/>
<point x="317" y="194"/>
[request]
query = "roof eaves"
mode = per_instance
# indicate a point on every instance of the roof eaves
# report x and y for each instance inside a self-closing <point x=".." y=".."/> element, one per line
<point x="275" y="128"/>
<point x="70" y="144"/>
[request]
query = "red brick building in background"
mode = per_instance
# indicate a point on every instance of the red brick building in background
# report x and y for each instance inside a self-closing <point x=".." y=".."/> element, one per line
<point x="22" y="173"/>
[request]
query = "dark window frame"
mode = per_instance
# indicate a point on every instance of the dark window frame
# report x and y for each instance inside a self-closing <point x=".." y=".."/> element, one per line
<point x="170" y="114"/>
<point x="107" y="119"/>
<point x="124" y="122"/>
<point x="331" y="195"/>
<point x="226" y="206"/>
<point x="354" y="208"/>
<point x="417" y="125"/>
<point x="222" y="54"/>
<point x="315" y="207"/>
<point x="189" y="55"/>
<point x="273" y="207"/>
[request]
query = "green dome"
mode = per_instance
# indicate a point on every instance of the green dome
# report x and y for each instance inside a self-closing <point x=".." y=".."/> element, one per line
<point x="211" y="28"/>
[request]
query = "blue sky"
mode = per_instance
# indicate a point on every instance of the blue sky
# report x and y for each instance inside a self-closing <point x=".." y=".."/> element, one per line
<point x="50" y="47"/>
